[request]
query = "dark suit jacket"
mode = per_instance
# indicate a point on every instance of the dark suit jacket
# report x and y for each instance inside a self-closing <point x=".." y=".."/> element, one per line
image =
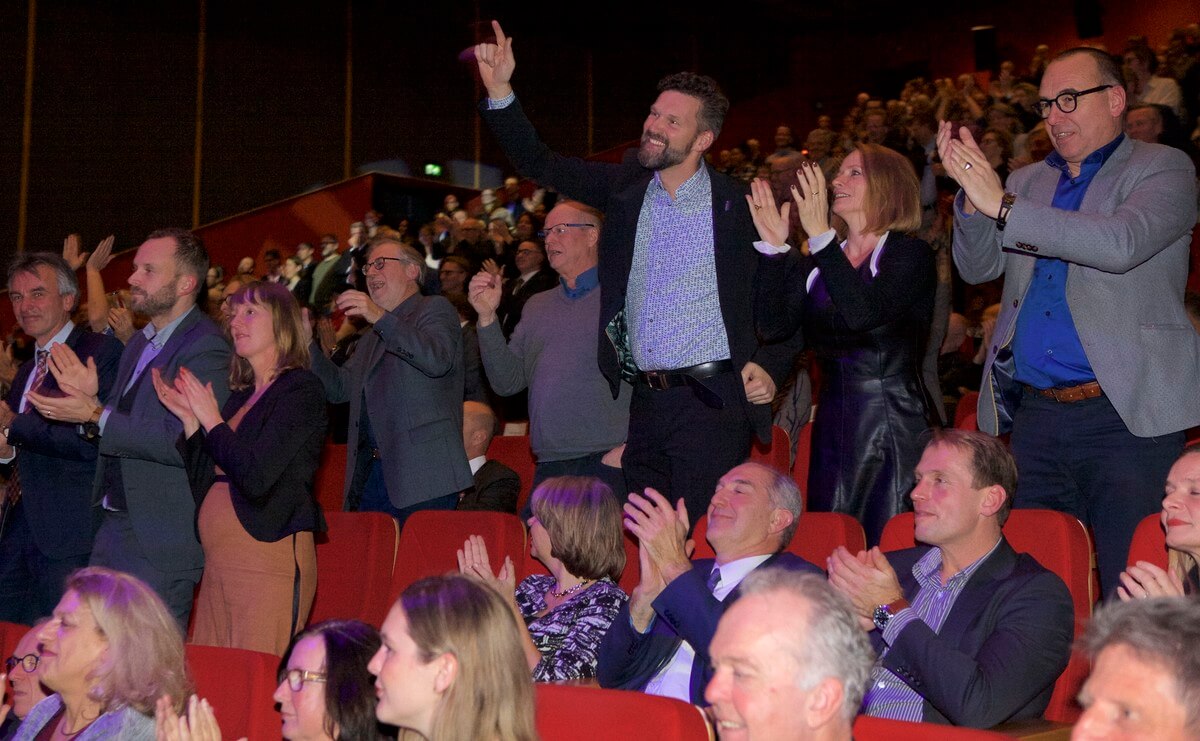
<point x="409" y="366"/>
<point x="270" y="460"/>
<point x="513" y="302"/>
<point x="1000" y="650"/>
<point x="143" y="442"/>
<point x="618" y="190"/>
<point x="57" y="465"/>
<point x="496" y="488"/>
<point x="685" y="611"/>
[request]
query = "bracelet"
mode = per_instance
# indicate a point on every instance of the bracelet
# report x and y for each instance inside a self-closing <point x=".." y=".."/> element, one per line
<point x="1006" y="204"/>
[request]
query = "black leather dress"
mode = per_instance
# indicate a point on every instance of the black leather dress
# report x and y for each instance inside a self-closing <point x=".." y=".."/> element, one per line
<point x="867" y="327"/>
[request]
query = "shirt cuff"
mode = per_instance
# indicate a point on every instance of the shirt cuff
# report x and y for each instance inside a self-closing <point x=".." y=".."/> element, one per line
<point x="960" y="201"/>
<point x="898" y="623"/>
<point x="10" y="458"/>
<point x="767" y="248"/>
<point x="103" y="419"/>
<point x="505" y="102"/>
<point x="821" y="241"/>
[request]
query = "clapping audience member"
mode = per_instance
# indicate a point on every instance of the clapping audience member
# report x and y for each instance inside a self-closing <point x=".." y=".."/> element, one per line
<point x="1145" y="680"/>
<point x="1181" y="521"/>
<point x="258" y="514"/>
<point x="453" y="274"/>
<point x="575" y="531"/>
<point x="23" y="670"/>
<point x="969" y="631"/>
<point x="450" y="667"/>
<point x="108" y="654"/>
<point x="866" y="306"/>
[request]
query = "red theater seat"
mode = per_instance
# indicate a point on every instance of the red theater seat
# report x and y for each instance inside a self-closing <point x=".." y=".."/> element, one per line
<point x="354" y="567"/>
<point x="575" y="713"/>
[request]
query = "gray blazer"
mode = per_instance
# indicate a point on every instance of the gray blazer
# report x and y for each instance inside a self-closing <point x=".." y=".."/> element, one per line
<point x="1128" y="252"/>
<point x="410" y="369"/>
<point x="143" y="442"/>
<point x="123" y="723"/>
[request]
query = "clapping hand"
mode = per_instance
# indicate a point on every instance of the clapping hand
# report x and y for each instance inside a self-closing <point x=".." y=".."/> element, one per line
<point x="473" y="561"/>
<point x="770" y="221"/>
<point x="812" y="205"/>
<point x="967" y="165"/>
<point x="1144" y="579"/>
<point x="67" y="369"/>
<point x="200" y="398"/>
<point x="484" y="293"/>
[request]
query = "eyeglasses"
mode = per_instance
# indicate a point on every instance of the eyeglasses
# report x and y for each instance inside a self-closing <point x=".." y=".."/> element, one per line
<point x="297" y="677"/>
<point x="28" y="662"/>
<point x="378" y="263"/>
<point x="1066" y="101"/>
<point x="561" y="229"/>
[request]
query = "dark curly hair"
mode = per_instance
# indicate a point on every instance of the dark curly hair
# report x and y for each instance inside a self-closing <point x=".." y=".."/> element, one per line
<point x="713" y="103"/>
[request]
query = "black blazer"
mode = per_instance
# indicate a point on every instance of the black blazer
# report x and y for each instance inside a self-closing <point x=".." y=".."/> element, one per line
<point x="57" y="465"/>
<point x="685" y="610"/>
<point x="513" y="302"/>
<point x="496" y="488"/>
<point x="270" y="460"/>
<point x="1000" y="649"/>
<point x="618" y="190"/>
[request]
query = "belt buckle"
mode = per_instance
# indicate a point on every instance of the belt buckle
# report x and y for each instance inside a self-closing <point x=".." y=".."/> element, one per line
<point x="656" y="380"/>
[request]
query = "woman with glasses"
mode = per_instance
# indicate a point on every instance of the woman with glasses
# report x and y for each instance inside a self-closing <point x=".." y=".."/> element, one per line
<point x="109" y="654"/>
<point x="24" y="688"/>
<point x="450" y="666"/>
<point x="251" y="465"/>
<point x="575" y="531"/>
<point x="865" y="305"/>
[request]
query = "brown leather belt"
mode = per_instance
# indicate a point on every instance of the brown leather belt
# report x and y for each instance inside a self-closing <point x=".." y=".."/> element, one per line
<point x="1071" y="394"/>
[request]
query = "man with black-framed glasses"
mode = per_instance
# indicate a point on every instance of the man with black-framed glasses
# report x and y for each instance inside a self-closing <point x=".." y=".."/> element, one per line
<point x="1094" y="364"/>
<point x="405" y="388"/>
<point x="24" y="688"/>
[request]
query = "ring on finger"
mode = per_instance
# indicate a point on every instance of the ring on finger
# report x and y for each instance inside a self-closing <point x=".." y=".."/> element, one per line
<point x="967" y="166"/>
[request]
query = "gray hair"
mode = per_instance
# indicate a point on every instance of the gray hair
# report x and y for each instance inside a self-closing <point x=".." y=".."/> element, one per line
<point x="830" y="643"/>
<point x="1164" y="631"/>
<point x="784" y="494"/>
<point x="29" y="262"/>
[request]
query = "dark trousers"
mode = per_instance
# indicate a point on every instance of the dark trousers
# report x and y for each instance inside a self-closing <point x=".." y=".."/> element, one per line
<point x="1081" y="459"/>
<point x="117" y="548"/>
<point x="375" y="498"/>
<point x="681" y="446"/>
<point x="31" y="583"/>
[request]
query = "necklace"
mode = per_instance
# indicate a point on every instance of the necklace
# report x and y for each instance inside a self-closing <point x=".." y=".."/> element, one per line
<point x="572" y="590"/>
<point x="63" y="721"/>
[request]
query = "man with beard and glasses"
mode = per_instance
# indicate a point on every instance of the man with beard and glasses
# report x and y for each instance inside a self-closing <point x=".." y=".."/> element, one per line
<point x="149" y="525"/>
<point x="678" y="269"/>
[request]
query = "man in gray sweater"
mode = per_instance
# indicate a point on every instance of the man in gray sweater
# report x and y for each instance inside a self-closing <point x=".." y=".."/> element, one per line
<point x="576" y="427"/>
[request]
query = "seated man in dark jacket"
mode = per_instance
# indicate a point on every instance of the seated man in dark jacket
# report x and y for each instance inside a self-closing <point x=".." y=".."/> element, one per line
<point x="969" y="631"/>
<point x="658" y="643"/>
<point x="496" y="485"/>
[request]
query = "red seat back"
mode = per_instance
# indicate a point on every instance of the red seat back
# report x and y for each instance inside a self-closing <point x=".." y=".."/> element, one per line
<point x="1149" y="542"/>
<point x="800" y="465"/>
<point x="778" y="454"/>
<point x="514" y="452"/>
<point x="330" y="483"/>
<point x="239" y="685"/>
<point x="430" y="541"/>
<point x="816" y="538"/>
<point x="10" y="636"/>
<point x="576" y="713"/>
<point x="354" y="567"/>
<point x="966" y="405"/>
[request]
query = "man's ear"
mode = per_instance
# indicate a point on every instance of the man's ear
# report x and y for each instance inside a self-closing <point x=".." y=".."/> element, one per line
<point x="704" y="141"/>
<point x="824" y="703"/>
<point x="994" y="497"/>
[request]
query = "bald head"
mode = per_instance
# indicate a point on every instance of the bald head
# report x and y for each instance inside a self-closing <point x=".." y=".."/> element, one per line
<point x="479" y="425"/>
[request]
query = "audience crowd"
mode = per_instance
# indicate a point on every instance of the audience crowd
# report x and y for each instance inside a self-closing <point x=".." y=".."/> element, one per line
<point x="1023" y="242"/>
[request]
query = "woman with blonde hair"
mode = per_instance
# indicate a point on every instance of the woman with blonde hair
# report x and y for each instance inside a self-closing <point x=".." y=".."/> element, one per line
<point x="257" y="514"/>
<point x="1181" y="522"/>
<point x="865" y="306"/>
<point x="110" y="651"/>
<point x="575" y="531"/>
<point x="451" y="665"/>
